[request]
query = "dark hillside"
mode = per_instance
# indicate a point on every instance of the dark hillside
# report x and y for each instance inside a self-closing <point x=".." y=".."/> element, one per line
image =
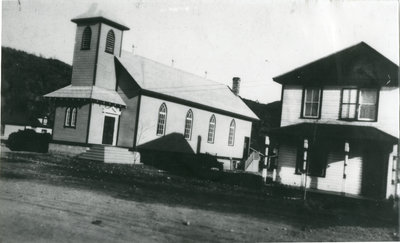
<point x="25" y="78"/>
<point x="270" y="117"/>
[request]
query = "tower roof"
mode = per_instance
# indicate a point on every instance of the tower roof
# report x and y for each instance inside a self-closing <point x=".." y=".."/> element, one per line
<point x="99" y="16"/>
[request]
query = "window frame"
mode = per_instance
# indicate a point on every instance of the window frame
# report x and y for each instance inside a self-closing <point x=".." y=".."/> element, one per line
<point x="303" y="103"/>
<point x="212" y="121"/>
<point x="164" y="125"/>
<point x="231" y="134"/>
<point x="86" y="31"/>
<point x="358" y="104"/>
<point x="107" y="48"/>
<point x="70" y="120"/>
<point x="190" y="129"/>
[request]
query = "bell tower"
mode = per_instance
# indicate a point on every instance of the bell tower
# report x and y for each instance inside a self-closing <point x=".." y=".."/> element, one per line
<point x="97" y="41"/>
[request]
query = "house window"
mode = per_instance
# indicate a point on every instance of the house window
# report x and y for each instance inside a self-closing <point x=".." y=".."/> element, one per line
<point x="86" y="38"/>
<point x="211" y="130"/>
<point x="70" y="117"/>
<point x="110" y="42"/>
<point x="317" y="157"/>
<point x="312" y="103"/>
<point x="359" y="104"/>
<point x="188" y="125"/>
<point x="232" y="128"/>
<point x="162" y="120"/>
<point x="368" y="104"/>
<point x="349" y="104"/>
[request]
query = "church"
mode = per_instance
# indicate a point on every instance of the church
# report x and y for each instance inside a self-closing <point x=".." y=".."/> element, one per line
<point x="118" y="101"/>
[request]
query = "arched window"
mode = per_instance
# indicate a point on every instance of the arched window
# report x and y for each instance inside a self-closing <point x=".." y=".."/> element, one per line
<point x="67" y="121"/>
<point x="211" y="130"/>
<point x="162" y="119"/>
<point x="188" y="125"/>
<point x="86" y="38"/>
<point x="110" y="42"/>
<point x="232" y="128"/>
<point x="73" y="117"/>
<point x="70" y="117"/>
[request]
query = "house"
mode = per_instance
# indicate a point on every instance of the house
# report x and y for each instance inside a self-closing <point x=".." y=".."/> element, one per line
<point x="15" y="121"/>
<point x="127" y="101"/>
<point x="339" y="125"/>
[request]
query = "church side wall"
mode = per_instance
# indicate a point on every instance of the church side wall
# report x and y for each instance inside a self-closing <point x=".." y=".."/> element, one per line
<point x="176" y="114"/>
<point x="77" y="134"/>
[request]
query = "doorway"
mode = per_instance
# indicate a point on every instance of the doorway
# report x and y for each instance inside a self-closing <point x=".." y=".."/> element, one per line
<point x="108" y="130"/>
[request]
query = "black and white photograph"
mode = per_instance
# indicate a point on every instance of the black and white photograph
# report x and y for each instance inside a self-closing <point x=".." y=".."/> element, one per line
<point x="199" y="121"/>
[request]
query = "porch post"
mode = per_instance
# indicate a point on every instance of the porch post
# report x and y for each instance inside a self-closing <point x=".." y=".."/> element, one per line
<point x="346" y="158"/>
<point x="305" y="145"/>
<point x="266" y="160"/>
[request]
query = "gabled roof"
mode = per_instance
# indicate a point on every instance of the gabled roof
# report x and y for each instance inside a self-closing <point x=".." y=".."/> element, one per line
<point x="19" y="118"/>
<point x="332" y="131"/>
<point x="162" y="79"/>
<point x="87" y="92"/>
<point x="359" y="65"/>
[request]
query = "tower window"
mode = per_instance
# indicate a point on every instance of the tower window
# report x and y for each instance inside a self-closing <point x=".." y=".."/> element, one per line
<point x="211" y="129"/>
<point x="188" y="125"/>
<point x="86" y="38"/>
<point x="70" y="117"/>
<point x="110" y="42"/>
<point x="162" y="120"/>
<point x="232" y="128"/>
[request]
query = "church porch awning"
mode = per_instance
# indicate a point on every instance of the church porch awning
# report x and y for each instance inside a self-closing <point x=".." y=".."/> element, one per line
<point x="93" y="93"/>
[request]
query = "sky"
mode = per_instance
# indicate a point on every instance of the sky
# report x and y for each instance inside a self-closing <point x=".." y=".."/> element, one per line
<point x="254" y="40"/>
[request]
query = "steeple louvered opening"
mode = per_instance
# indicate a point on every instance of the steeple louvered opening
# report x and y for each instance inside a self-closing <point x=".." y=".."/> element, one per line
<point x="86" y="38"/>
<point x="110" y="42"/>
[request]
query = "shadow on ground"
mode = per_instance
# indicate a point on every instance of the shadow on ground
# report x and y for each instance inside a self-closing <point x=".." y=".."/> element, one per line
<point x="147" y="184"/>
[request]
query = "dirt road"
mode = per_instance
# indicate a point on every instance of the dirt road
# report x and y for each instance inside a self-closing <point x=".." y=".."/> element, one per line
<point x="43" y="202"/>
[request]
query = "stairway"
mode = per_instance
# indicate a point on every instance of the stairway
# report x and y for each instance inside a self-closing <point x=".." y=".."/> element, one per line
<point x="252" y="163"/>
<point x="110" y="154"/>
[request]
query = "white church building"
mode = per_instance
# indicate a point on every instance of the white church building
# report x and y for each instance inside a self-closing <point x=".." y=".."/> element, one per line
<point x="118" y="101"/>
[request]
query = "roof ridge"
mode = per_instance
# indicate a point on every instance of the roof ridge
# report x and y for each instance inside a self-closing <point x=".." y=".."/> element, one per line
<point x="172" y="68"/>
<point x="321" y="58"/>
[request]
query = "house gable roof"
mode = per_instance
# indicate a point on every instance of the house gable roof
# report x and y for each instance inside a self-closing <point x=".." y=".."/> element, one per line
<point x="359" y="65"/>
<point x="157" y="78"/>
<point x="19" y="118"/>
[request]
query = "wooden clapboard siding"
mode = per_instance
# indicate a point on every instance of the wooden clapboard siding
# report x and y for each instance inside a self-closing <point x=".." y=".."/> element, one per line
<point x="129" y="92"/>
<point x="84" y="60"/>
<point x="354" y="170"/>
<point x="388" y="117"/>
<point x="333" y="180"/>
<point x="77" y="134"/>
<point x="105" y="72"/>
<point x="287" y="165"/>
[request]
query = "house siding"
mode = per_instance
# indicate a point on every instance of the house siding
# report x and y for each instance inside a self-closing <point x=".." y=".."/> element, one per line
<point x="149" y="107"/>
<point x="333" y="180"/>
<point x="387" y="120"/>
<point x="77" y="134"/>
<point x="84" y="60"/>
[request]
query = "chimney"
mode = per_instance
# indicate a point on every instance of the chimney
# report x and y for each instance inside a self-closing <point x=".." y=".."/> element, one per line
<point x="236" y="85"/>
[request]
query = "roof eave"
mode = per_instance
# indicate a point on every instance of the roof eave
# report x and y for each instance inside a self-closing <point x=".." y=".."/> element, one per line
<point x="100" y="19"/>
